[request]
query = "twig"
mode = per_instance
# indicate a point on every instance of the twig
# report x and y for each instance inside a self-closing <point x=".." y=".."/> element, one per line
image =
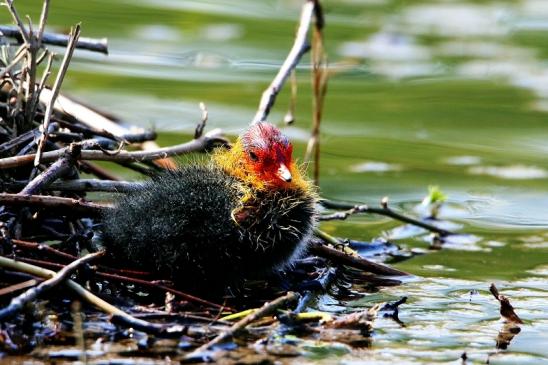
<point x="54" y="39"/>
<point x="319" y="88"/>
<point x="53" y="202"/>
<point x="19" y="302"/>
<point x="300" y="47"/>
<point x="265" y="310"/>
<point x="200" y="144"/>
<point x="74" y="35"/>
<point x="353" y="261"/>
<point x="383" y="210"/>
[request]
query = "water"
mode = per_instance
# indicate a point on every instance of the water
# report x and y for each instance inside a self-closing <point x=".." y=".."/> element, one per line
<point x="446" y="93"/>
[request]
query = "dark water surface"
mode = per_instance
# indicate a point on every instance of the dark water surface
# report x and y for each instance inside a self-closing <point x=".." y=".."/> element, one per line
<point x="446" y="93"/>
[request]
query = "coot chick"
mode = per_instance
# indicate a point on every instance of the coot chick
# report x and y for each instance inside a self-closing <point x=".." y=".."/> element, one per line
<point x="245" y="213"/>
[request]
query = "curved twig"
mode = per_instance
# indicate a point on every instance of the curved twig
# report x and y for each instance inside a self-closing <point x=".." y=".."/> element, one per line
<point x="301" y="45"/>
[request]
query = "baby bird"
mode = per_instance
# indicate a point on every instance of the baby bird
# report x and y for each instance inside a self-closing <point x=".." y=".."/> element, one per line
<point x="245" y="213"/>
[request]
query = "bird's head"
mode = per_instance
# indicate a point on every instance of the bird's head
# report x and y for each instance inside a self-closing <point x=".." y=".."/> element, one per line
<point x="268" y="153"/>
<point x="262" y="157"/>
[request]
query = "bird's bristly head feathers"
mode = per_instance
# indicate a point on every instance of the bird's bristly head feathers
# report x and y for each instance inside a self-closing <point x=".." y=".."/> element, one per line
<point x="262" y="157"/>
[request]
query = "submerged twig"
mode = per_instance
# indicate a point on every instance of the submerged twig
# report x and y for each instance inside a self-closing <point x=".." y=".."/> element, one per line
<point x="383" y="210"/>
<point x="353" y="261"/>
<point x="19" y="302"/>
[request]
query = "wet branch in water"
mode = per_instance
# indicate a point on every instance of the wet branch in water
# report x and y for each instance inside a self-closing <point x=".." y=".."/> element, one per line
<point x="384" y="209"/>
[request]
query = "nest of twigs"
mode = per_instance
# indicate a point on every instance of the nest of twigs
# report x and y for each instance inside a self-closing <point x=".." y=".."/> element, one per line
<point x="49" y="145"/>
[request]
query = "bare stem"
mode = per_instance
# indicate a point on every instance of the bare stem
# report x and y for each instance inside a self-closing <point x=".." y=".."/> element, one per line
<point x="300" y="47"/>
<point x="345" y="259"/>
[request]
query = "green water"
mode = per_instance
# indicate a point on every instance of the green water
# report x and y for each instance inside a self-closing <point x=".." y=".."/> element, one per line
<point x="445" y="93"/>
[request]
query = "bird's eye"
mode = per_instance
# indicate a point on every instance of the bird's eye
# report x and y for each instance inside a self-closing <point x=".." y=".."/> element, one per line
<point x="253" y="156"/>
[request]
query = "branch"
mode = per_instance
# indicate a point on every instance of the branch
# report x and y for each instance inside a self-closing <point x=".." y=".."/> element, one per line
<point x="19" y="302"/>
<point x="300" y="47"/>
<point x="345" y="259"/>
<point x="62" y="40"/>
<point x="383" y="210"/>
<point x="204" y="142"/>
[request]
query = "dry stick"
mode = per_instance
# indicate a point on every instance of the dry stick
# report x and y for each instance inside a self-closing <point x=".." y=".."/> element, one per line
<point x="383" y="210"/>
<point x="300" y="47"/>
<point x="265" y="310"/>
<point x="20" y="29"/>
<point x="319" y="87"/>
<point x="74" y="35"/>
<point x="200" y="144"/>
<point x="59" y="168"/>
<point x="117" y="314"/>
<point x="345" y="259"/>
<point x="90" y="44"/>
<point x="68" y="205"/>
<point x="19" y="302"/>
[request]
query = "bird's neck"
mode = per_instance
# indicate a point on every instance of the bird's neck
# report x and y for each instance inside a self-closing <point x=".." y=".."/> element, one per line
<point x="233" y="162"/>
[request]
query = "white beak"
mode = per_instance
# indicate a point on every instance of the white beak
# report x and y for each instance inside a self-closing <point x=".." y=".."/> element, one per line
<point x="283" y="173"/>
